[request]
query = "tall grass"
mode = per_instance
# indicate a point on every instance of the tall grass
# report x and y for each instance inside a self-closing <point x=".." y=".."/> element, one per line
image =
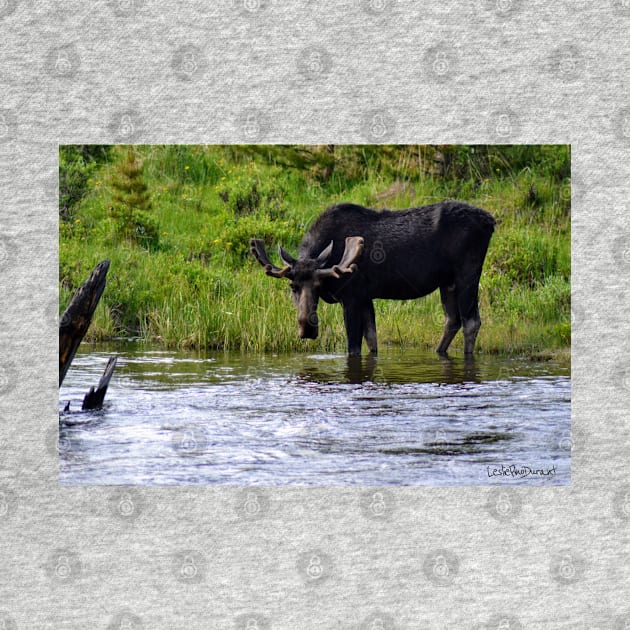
<point x="199" y="288"/>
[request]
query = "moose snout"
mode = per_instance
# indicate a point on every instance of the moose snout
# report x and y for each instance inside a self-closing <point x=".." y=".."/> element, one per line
<point x="308" y="327"/>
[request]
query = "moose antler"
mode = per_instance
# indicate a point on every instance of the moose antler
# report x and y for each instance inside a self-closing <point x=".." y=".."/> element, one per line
<point x="257" y="248"/>
<point x="347" y="264"/>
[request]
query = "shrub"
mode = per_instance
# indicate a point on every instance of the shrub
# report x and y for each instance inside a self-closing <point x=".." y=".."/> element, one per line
<point x="236" y="234"/>
<point x="131" y="202"/>
<point x="74" y="174"/>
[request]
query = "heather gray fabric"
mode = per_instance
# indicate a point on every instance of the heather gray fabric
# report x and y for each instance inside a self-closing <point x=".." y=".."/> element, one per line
<point x="357" y="71"/>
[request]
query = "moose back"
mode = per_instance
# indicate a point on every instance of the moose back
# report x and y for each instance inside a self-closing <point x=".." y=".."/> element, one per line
<point x="354" y="255"/>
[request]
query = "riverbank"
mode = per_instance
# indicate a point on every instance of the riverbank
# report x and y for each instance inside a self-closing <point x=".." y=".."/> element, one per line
<point x="181" y="275"/>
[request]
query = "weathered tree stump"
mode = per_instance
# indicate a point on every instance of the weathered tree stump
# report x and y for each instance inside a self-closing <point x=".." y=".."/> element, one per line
<point x="72" y="328"/>
<point x="76" y="319"/>
<point x="94" y="398"/>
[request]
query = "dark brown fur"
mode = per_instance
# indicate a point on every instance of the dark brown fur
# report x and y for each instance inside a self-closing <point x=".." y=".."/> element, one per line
<point x="407" y="254"/>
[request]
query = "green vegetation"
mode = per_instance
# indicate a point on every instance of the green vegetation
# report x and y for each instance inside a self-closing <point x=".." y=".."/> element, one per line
<point x="175" y="222"/>
<point x="131" y="202"/>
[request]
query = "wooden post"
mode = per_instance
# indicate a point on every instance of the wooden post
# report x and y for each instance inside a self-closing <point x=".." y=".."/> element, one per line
<point x="76" y="319"/>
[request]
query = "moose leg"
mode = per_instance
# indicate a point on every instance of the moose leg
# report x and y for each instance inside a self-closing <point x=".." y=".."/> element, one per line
<point x="353" y="319"/>
<point x="369" y="327"/>
<point x="469" y="312"/>
<point x="452" y="320"/>
<point x="471" y="328"/>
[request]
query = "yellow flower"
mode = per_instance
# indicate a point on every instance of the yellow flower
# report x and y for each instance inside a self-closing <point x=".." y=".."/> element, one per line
<point x="77" y="220"/>
<point x="229" y="244"/>
<point x="186" y="167"/>
<point x="216" y="240"/>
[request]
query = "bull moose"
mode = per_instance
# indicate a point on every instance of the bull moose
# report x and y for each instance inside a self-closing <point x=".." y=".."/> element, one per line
<point x="354" y="255"/>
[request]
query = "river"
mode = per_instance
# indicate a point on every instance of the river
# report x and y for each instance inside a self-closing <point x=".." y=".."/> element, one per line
<point x="408" y="417"/>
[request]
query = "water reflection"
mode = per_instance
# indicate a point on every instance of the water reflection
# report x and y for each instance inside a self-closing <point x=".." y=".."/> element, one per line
<point x="356" y="370"/>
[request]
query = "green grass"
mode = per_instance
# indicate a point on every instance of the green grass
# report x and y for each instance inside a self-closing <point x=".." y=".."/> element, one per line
<point x="199" y="288"/>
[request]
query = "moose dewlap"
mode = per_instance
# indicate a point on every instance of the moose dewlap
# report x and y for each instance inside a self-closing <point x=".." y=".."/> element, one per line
<point x="354" y="255"/>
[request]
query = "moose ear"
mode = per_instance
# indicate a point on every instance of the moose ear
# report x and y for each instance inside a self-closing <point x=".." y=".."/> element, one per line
<point x="325" y="255"/>
<point x="287" y="259"/>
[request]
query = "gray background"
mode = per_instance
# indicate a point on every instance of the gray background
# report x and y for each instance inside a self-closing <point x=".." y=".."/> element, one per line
<point x="261" y="71"/>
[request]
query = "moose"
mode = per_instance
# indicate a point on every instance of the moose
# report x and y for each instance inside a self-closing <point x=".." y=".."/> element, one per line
<point x="354" y="255"/>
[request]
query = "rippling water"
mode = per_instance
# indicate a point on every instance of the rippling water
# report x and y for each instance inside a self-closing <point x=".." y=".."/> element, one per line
<point x="405" y="418"/>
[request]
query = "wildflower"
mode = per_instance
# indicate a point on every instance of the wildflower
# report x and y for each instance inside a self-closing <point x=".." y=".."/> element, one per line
<point x="186" y="167"/>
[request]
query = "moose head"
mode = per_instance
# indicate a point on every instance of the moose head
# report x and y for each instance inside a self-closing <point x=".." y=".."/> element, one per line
<point x="307" y="275"/>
